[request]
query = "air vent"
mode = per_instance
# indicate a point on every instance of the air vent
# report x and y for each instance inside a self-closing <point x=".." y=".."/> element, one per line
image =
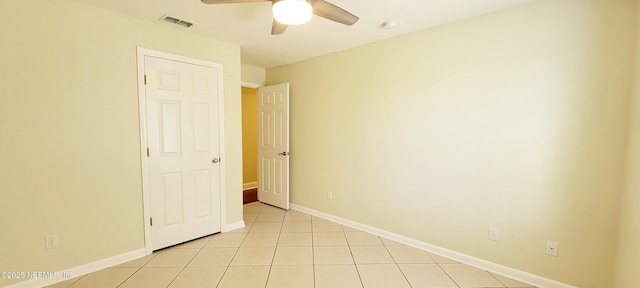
<point x="176" y="21"/>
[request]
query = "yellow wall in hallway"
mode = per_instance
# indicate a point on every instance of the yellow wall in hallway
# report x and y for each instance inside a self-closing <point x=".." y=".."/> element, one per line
<point x="249" y="135"/>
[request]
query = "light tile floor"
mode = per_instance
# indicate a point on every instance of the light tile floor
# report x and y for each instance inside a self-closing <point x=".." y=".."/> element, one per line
<point x="280" y="249"/>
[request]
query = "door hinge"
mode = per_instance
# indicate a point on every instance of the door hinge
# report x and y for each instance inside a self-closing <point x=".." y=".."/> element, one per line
<point x="145" y="79"/>
<point x="151" y="221"/>
<point x="148" y="152"/>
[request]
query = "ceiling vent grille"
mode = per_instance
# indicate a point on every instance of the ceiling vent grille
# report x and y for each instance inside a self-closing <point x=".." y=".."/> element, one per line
<point x="176" y="21"/>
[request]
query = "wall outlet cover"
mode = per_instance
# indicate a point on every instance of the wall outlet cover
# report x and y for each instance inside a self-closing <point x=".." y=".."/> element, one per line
<point x="493" y="233"/>
<point x="51" y="241"/>
<point x="552" y="248"/>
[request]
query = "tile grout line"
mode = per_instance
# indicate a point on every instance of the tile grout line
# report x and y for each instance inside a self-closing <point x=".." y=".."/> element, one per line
<point x="494" y="277"/>
<point x="237" y="250"/>
<point x="266" y="282"/>
<point x="353" y="258"/>
<point x="74" y="282"/>
<point x="445" y="272"/>
<point x="396" y="262"/>
<point x="134" y="273"/>
<point x="313" y="246"/>
<point x="313" y="251"/>
<point x="185" y="266"/>
<point x="194" y="256"/>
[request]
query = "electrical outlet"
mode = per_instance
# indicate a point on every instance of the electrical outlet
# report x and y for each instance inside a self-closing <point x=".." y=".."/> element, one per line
<point x="329" y="195"/>
<point x="552" y="248"/>
<point x="493" y="233"/>
<point x="51" y="241"/>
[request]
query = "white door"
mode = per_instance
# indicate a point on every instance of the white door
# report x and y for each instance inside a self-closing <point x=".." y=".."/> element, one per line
<point x="183" y="138"/>
<point x="273" y="145"/>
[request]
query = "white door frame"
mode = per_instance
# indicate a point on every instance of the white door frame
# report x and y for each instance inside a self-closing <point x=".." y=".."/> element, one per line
<point x="250" y="85"/>
<point x="142" y="105"/>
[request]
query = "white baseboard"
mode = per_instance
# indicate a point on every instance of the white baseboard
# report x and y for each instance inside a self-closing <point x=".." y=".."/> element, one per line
<point x="233" y="226"/>
<point x="521" y="276"/>
<point x="249" y="185"/>
<point x="82" y="270"/>
<point x="99" y="265"/>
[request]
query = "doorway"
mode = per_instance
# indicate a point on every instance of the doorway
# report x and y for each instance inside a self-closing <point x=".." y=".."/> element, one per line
<point x="249" y="145"/>
<point x="268" y="134"/>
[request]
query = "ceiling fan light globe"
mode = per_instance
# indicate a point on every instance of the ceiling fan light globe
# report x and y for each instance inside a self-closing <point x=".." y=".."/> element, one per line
<point x="292" y="12"/>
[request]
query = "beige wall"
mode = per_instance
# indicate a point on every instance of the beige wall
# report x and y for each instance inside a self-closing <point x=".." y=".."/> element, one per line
<point x="628" y="256"/>
<point x="70" y="130"/>
<point x="516" y="120"/>
<point x="252" y="74"/>
<point x="249" y="135"/>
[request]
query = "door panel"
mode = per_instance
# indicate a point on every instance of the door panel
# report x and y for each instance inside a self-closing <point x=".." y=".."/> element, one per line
<point x="200" y="128"/>
<point x="273" y="150"/>
<point x="202" y="181"/>
<point x="169" y="121"/>
<point x="182" y="120"/>
<point x="172" y="192"/>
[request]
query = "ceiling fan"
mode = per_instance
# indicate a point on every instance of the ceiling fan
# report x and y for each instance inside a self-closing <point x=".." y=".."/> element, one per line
<point x="294" y="12"/>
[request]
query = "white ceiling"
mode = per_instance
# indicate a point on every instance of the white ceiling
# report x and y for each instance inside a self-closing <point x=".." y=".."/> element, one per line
<point x="249" y="24"/>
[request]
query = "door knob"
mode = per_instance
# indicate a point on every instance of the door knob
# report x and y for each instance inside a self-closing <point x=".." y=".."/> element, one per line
<point x="215" y="160"/>
<point x="283" y="153"/>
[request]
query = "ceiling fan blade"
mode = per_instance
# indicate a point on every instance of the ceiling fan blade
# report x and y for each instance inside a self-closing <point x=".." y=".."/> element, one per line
<point x="278" y="28"/>
<point x="230" y="1"/>
<point x="332" y="12"/>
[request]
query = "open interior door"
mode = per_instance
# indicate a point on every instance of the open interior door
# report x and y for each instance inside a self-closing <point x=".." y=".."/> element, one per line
<point x="273" y="145"/>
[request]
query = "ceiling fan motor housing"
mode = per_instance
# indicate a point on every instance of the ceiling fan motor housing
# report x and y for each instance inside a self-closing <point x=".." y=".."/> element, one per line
<point x="320" y="8"/>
